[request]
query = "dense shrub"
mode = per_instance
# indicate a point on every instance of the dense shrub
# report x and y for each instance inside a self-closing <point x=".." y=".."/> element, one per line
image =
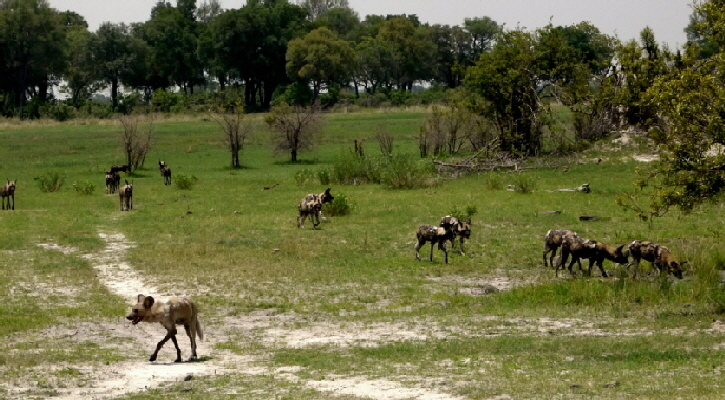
<point x="341" y="205"/>
<point x="50" y="182"/>
<point x="406" y="172"/>
<point x="84" y="187"/>
<point x="185" y="182"/>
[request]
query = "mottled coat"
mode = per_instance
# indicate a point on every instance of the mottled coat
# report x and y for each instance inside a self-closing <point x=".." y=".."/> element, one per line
<point x="553" y="240"/>
<point x="435" y="235"/>
<point x="311" y="206"/>
<point x="169" y="314"/>
<point x="660" y="257"/>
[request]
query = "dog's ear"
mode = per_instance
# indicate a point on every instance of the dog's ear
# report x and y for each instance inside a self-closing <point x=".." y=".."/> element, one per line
<point x="148" y="302"/>
<point x="140" y="298"/>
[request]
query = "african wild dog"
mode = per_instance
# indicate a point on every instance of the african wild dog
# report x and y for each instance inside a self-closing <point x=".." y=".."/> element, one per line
<point x="461" y="230"/>
<point x="125" y="195"/>
<point x="593" y="250"/>
<point x="8" y="190"/>
<point x="433" y="234"/>
<point x="162" y="165"/>
<point x="169" y="314"/>
<point x="121" y="168"/>
<point x="552" y="242"/>
<point x="311" y="206"/>
<point x="112" y="182"/>
<point x="166" y="173"/>
<point x="660" y="257"/>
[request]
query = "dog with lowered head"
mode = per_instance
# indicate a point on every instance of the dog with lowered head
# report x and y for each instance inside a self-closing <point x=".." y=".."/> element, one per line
<point x="174" y="312"/>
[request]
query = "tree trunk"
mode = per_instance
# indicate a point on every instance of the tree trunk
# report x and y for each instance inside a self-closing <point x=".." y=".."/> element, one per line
<point x="114" y="98"/>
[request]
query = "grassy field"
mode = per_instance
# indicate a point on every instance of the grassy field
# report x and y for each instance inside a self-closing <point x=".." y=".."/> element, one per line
<point x="316" y="313"/>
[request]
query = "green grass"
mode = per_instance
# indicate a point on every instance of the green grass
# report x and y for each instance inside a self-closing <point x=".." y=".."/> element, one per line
<point x="239" y="252"/>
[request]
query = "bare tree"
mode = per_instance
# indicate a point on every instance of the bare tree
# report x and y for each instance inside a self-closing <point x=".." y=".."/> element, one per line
<point x="294" y="128"/>
<point x="385" y="140"/>
<point x="136" y="141"/>
<point x="236" y="131"/>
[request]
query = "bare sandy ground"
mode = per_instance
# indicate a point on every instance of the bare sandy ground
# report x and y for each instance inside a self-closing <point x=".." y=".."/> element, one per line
<point x="117" y="379"/>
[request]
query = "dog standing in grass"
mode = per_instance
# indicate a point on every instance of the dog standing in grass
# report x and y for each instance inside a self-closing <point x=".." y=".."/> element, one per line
<point x="8" y="191"/>
<point x="125" y="196"/>
<point x="169" y="314"/>
<point x="311" y="206"/>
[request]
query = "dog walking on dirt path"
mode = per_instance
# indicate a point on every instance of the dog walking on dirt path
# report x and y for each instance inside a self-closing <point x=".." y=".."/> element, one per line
<point x="174" y="312"/>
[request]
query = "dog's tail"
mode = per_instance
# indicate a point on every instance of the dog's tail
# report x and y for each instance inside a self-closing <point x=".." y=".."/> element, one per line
<point x="199" y="331"/>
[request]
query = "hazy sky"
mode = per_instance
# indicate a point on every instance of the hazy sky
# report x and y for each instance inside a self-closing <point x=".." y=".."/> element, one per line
<point x="622" y="18"/>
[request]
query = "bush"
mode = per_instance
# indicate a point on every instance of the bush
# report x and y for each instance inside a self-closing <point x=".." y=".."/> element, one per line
<point x="50" y="182"/>
<point x="324" y="177"/>
<point x="185" y="182"/>
<point x="84" y="187"/>
<point x="464" y="214"/>
<point x="405" y="172"/>
<point x="58" y="112"/>
<point x="341" y="205"/>
<point x="304" y="177"/>
<point x="493" y="181"/>
<point x="524" y="184"/>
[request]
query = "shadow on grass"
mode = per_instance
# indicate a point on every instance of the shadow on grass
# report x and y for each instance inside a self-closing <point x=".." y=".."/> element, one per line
<point x="298" y="162"/>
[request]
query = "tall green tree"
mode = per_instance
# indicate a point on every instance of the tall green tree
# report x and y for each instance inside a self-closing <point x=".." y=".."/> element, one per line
<point x="172" y="34"/>
<point x="320" y="57"/>
<point x="315" y="8"/>
<point x="113" y="51"/>
<point x="689" y="128"/>
<point x="251" y="42"/>
<point x="507" y="77"/>
<point x="32" y="40"/>
<point x="415" y="47"/>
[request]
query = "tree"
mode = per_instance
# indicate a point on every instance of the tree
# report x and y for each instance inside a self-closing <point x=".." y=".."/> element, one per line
<point x="32" y="39"/>
<point x="689" y="128"/>
<point x="236" y="131"/>
<point x="136" y="140"/>
<point x="252" y="43"/>
<point x="172" y="35"/>
<point x="415" y="47"/>
<point x="343" y="21"/>
<point x="483" y="31"/>
<point x="379" y="64"/>
<point x="507" y="77"/>
<point x="315" y="8"/>
<point x="113" y="52"/>
<point x="320" y="57"/>
<point x="294" y="128"/>
<point x="80" y="74"/>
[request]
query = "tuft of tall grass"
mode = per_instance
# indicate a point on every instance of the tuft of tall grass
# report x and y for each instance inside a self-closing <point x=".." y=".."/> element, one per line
<point x="524" y="183"/>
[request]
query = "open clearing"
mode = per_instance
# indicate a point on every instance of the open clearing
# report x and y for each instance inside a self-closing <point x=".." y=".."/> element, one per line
<point x="344" y="312"/>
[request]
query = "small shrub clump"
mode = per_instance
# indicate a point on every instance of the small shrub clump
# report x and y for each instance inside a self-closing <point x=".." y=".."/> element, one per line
<point x="341" y="205"/>
<point x="50" y="182"/>
<point x="524" y="184"/>
<point x="185" y="182"/>
<point x="396" y="171"/>
<point x="304" y="177"/>
<point x="84" y="187"/>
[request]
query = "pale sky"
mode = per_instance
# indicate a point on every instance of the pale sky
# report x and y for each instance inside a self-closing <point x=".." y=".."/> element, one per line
<point x="621" y="18"/>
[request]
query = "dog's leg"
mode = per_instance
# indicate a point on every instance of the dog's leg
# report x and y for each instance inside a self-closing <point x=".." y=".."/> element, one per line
<point x="432" y="243"/>
<point x="191" y="332"/>
<point x="178" y="350"/>
<point x="171" y="334"/>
